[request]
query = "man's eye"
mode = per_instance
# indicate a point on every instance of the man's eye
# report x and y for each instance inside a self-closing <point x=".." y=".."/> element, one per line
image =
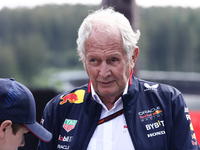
<point x="113" y="60"/>
<point x="93" y="60"/>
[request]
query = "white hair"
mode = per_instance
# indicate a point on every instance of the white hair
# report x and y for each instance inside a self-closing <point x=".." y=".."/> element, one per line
<point x="109" y="18"/>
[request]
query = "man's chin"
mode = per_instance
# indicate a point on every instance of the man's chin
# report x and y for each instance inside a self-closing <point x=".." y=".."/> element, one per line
<point x="105" y="93"/>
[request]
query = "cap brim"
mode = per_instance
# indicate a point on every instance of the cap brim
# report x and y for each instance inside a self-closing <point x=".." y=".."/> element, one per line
<point x="39" y="131"/>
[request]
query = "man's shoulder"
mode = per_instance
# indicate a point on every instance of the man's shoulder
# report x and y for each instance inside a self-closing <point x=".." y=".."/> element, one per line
<point x="73" y="97"/>
<point x="159" y="88"/>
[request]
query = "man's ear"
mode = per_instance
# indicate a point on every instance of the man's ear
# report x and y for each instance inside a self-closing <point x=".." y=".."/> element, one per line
<point x="4" y="127"/>
<point x="135" y="55"/>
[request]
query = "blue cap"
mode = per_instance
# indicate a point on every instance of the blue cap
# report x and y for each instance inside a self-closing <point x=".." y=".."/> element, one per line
<point x="18" y="105"/>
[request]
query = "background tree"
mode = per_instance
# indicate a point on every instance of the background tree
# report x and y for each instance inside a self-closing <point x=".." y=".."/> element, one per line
<point x="34" y="43"/>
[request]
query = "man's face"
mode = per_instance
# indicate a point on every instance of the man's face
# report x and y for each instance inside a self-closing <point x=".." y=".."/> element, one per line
<point x="13" y="142"/>
<point x="106" y="64"/>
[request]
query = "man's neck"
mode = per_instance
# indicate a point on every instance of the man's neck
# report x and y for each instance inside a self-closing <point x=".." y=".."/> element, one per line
<point x="109" y="101"/>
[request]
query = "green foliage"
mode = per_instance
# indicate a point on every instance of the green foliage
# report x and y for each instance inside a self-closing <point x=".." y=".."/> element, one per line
<point x="8" y="61"/>
<point x="170" y="39"/>
<point x="33" y="41"/>
<point x="38" y="39"/>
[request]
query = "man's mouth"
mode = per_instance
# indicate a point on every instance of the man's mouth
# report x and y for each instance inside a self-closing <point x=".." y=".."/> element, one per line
<point x="106" y="83"/>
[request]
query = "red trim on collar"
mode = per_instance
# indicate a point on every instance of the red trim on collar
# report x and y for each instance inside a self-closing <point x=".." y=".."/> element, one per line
<point x="130" y="81"/>
<point x="89" y="87"/>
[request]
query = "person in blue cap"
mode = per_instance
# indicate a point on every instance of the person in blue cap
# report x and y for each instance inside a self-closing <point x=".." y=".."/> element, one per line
<point x="18" y="115"/>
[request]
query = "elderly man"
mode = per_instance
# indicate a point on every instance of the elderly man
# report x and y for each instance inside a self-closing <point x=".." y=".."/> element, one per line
<point x="115" y="110"/>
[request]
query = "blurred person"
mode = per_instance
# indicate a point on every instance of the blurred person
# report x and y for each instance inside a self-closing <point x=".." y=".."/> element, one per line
<point x="18" y="115"/>
<point x="116" y="110"/>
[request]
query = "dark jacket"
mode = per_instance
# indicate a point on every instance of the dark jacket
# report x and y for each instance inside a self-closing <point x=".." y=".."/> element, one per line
<point x="156" y="115"/>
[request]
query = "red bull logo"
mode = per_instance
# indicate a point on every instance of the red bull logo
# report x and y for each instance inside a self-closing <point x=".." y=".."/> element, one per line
<point x="70" y="97"/>
<point x="157" y="112"/>
<point x="76" y="97"/>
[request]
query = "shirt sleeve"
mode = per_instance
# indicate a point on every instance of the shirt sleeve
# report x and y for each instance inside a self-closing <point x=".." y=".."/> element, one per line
<point x="183" y="133"/>
<point x="47" y="122"/>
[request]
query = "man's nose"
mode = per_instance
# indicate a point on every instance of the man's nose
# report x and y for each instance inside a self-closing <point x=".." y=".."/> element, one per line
<point x="104" y="70"/>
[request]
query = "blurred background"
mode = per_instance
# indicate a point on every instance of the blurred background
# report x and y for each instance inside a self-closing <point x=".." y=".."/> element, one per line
<point x="38" y="46"/>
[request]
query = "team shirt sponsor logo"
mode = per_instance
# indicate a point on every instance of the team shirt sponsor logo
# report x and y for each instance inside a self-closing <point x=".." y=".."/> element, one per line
<point x="187" y="117"/>
<point x="186" y="109"/>
<point x="194" y="142"/>
<point x="152" y="88"/>
<point x="65" y="138"/>
<point x="69" y="124"/>
<point x="155" y="134"/>
<point x="76" y="97"/>
<point x="42" y="121"/>
<point x="59" y="146"/>
<point x="191" y="127"/>
<point x="187" y="114"/>
<point x="155" y="125"/>
<point x="150" y="114"/>
<point x="193" y="136"/>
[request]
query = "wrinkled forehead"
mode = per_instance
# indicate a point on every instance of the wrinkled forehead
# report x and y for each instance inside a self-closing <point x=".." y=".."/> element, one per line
<point x="103" y="39"/>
